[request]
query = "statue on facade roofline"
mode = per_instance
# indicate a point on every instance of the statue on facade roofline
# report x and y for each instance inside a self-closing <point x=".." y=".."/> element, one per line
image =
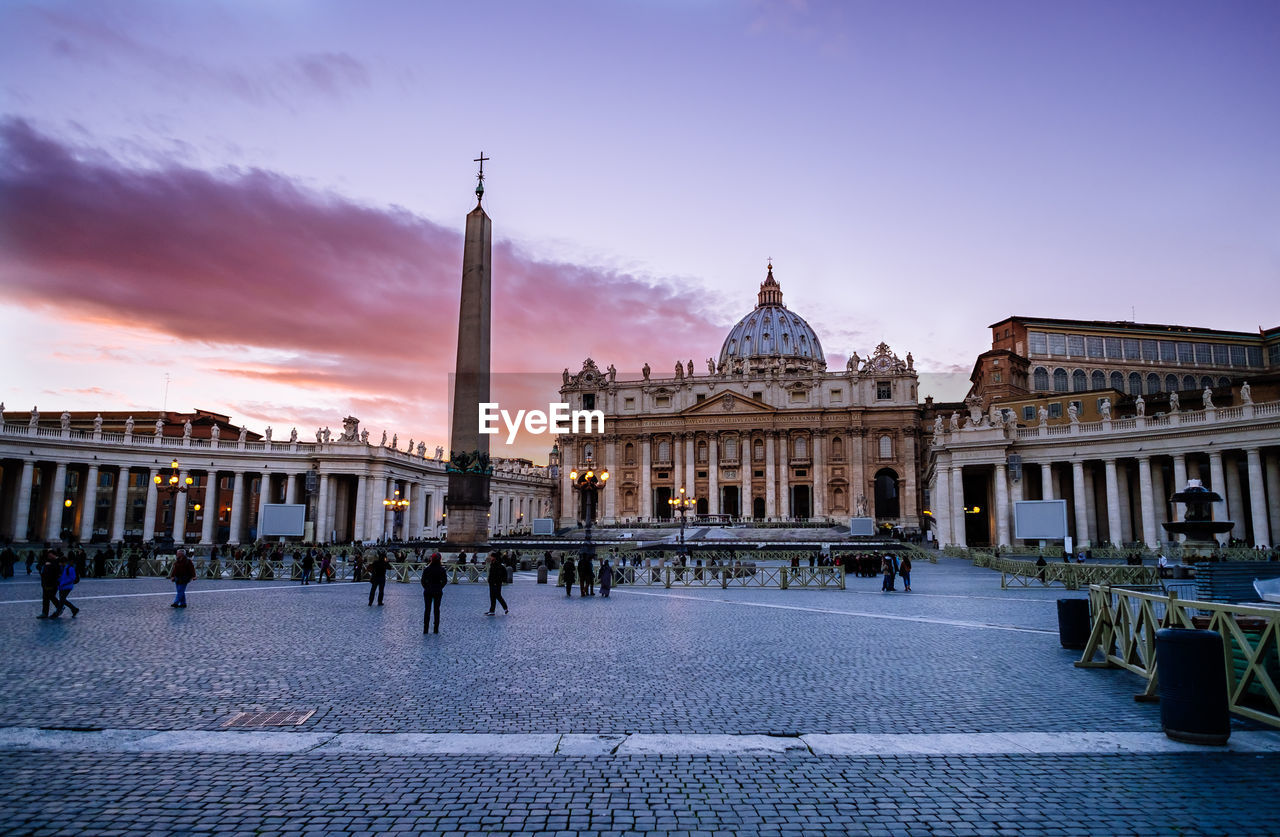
<point x="326" y="435"/>
<point x="186" y="429"/>
<point x="65" y="420"/>
<point x="645" y="371"/>
<point x="159" y="426"/>
<point x="1104" y="407"/>
<point x="937" y="425"/>
<point x="679" y="369"/>
<point x="293" y="435"/>
<point x="1141" y="405"/>
<point x="97" y="420"/>
<point x="364" y="436"/>
<point x="395" y="440"/>
<point x="711" y="366"/>
<point x="319" y="434"/>
<point x="215" y="432"/>
<point x="1043" y="414"/>
<point x="613" y="373"/>
<point x="1173" y="401"/>
<point x="244" y="433"/>
<point x="690" y="372"/>
<point x="565" y="377"/>
<point x="1246" y="393"/>
<point x="1207" y="398"/>
<point x="267" y="433"/>
<point x="128" y="426"/>
<point x="911" y="363"/>
<point x="1073" y="413"/>
<point x="955" y="422"/>
<point x="35" y="417"/>
<point x="439" y="452"/>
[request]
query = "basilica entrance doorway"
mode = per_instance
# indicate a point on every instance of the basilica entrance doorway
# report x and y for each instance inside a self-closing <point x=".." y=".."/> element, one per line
<point x="729" y="501"/>
<point x="801" y="502"/>
<point x="757" y="508"/>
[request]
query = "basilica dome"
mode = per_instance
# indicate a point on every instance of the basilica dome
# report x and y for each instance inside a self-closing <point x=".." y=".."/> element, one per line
<point x="771" y="331"/>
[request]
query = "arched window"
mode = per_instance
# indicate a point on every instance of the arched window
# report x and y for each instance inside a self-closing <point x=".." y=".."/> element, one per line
<point x="1171" y="383"/>
<point x="1153" y="384"/>
<point x="1188" y="382"/>
<point x="801" y="447"/>
<point x="1224" y="382"/>
<point x="1117" y="382"/>
<point x="886" y="447"/>
<point x="588" y="452"/>
<point x="1059" y="380"/>
<point x="1206" y="381"/>
<point x="1040" y="379"/>
<point x="1135" y="383"/>
<point x="664" y="451"/>
<point x="1098" y="380"/>
<point x="629" y="454"/>
<point x="837" y="448"/>
<point x="757" y="450"/>
<point x="1079" y="381"/>
<point x="731" y="448"/>
<point x="702" y="450"/>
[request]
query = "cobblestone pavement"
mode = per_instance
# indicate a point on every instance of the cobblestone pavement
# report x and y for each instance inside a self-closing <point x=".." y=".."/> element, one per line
<point x="958" y="655"/>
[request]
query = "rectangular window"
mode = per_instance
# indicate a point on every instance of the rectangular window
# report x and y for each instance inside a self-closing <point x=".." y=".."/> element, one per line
<point x="1221" y="356"/>
<point x="1254" y="354"/>
<point x="1150" y="352"/>
<point x="662" y="401"/>
<point x="1204" y="353"/>
<point x="628" y="403"/>
<point x="1055" y="410"/>
<point x="1075" y="345"/>
<point x="1168" y="351"/>
<point x="1057" y="344"/>
<point x="1132" y="349"/>
<point x="1037" y="343"/>
<point x="1273" y="354"/>
<point x="884" y="390"/>
<point x="1028" y="413"/>
<point x="1186" y="353"/>
<point x="1095" y="346"/>
<point x="837" y="395"/>
<point x="799" y="396"/>
<point x="759" y="396"/>
<point x="662" y="475"/>
<point x="995" y="376"/>
<point x="588" y="401"/>
<point x="1237" y="355"/>
<point x="702" y="475"/>
<point x="802" y="472"/>
<point x="702" y="396"/>
<point x="757" y="473"/>
<point x="1114" y="351"/>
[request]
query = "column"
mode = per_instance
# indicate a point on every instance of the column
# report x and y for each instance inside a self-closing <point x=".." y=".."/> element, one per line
<point x="568" y="509"/>
<point x="713" y="474"/>
<point x="58" y="493"/>
<point x="820" y="480"/>
<point x="690" y="465"/>
<point x="1126" y="507"/>
<point x="958" y="534"/>
<point x="237" y="507"/>
<point x="941" y="501"/>
<point x="1146" y="497"/>
<point x="784" y="482"/>
<point x="362" y="493"/>
<point x="609" y="514"/>
<point x="1235" y="497"/>
<point x="89" y="504"/>
<point x="646" y="479"/>
<point x="264" y="497"/>
<point x="119" y="504"/>
<point x="180" y="511"/>
<point x="1161" y="498"/>
<point x="1046" y="481"/>
<point x="1273" y="494"/>
<point x="1091" y="492"/>
<point x="746" y="466"/>
<point x="677" y="464"/>
<point x="1257" y="498"/>
<point x="1179" y="483"/>
<point x="22" y="510"/>
<point x="389" y="515"/>
<point x="210" y="507"/>
<point x="1114" y="534"/>
<point x="149" y="516"/>
<point x="1002" y="505"/>
<point x="770" y="476"/>
<point x="291" y="488"/>
<point x="413" y="517"/>
<point x="1218" y="483"/>
<point x="1081" y="504"/>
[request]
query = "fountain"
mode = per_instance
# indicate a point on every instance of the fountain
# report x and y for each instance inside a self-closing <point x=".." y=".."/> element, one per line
<point x="1198" y="524"/>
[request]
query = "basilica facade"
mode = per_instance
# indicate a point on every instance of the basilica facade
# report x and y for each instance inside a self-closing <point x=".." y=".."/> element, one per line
<point x="764" y="432"/>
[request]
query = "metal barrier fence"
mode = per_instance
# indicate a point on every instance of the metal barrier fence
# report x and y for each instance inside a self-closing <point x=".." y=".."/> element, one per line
<point x="736" y="575"/>
<point x="1016" y="574"/>
<point x="1124" y="634"/>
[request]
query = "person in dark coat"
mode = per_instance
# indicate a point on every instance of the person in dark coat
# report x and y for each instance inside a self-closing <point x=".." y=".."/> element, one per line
<point x="308" y="564"/>
<point x="182" y="574"/>
<point x="566" y="575"/>
<point x="434" y="578"/>
<point x="586" y="574"/>
<point x="378" y="578"/>
<point x="50" y="574"/>
<point x="67" y="580"/>
<point x="606" y="578"/>
<point x="497" y="577"/>
<point x="904" y="570"/>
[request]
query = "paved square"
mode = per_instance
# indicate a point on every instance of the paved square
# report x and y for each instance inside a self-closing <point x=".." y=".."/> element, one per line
<point x="670" y="711"/>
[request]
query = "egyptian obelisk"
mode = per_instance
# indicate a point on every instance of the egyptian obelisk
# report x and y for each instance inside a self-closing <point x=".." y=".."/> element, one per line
<point x="467" y="504"/>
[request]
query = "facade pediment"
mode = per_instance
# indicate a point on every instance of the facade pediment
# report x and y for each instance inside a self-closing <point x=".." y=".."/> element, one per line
<point x="728" y="403"/>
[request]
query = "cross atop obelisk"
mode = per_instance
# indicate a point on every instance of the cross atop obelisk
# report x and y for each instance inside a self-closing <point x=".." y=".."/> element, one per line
<point x="467" y="524"/>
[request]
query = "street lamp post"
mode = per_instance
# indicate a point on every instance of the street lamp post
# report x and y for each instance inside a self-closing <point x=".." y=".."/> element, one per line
<point x="173" y="485"/>
<point x="398" y="505"/>
<point x="681" y="506"/>
<point x="588" y="482"/>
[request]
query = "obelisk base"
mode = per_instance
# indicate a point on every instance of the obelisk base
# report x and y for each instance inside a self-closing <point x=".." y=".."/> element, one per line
<point x="467" y="523"/>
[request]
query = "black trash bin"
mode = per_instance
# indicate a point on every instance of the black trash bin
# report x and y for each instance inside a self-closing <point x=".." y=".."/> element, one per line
<point x="1073" y="623"/>
<point x="1193" y="686"/>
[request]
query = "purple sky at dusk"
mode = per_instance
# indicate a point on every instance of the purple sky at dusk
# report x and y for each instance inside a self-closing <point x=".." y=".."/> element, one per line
<point x="265" y="200"/>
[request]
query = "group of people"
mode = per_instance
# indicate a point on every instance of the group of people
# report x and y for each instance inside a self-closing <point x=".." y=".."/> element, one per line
<point x="585" y="573"/>
<point x="58" y="577"/>
<point x="891" y="567"/>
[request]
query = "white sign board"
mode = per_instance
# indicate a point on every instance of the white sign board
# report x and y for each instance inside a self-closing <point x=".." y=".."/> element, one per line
<point x="862" y="526"/>
<point x="1040" y="520"/>
<point x="282" y="519"/>
<point x="544" y="526"/>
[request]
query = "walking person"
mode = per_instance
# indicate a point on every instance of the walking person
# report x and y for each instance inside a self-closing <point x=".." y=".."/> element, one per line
<point x="566" y="576"/>
<point x="182" y="574"/>
<point x="308" y="564"/>
<point x="886" y="567"/>
<point x="606" y="578"/>
<point x="586" y="574"/>
<point x="358" y="567"/>
<point x="66" y="582"/>
<point x="378" y="578"/>
<point x="497" y="577"/>
<point x="50" y="575"/>
<point x="434" y="579"/>
<point x="904" y="570"/>
<point x="326" y="568"/>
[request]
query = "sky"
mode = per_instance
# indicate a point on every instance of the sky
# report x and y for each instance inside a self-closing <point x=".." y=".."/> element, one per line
<point x="256" y="208"/>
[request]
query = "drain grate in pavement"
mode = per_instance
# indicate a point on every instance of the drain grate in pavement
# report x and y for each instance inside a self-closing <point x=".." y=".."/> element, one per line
<point x="258" y="720"/>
